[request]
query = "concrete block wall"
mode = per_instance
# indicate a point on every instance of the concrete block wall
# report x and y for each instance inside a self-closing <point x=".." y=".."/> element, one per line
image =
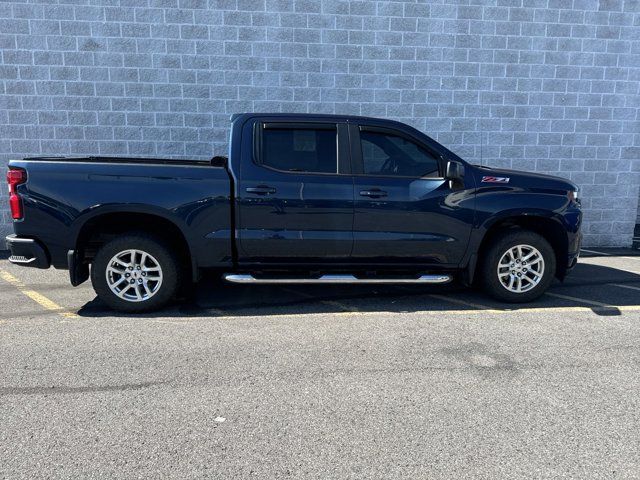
<point x="544" y="85"/>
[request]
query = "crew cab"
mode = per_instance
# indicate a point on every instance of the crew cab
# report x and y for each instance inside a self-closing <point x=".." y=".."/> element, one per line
<point x="301" y="198"/>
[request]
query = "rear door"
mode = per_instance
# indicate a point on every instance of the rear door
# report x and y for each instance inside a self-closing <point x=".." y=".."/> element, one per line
<point x="296" y="194"/>
<point x="405" y="211"/>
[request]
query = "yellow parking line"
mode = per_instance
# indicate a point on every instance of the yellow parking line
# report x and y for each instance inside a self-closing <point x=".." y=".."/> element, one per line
<point x="36" y="296"/>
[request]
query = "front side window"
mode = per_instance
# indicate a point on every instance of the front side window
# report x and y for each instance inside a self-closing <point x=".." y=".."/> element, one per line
<point x="312" y="150"/>
<point x="391" y="155"/>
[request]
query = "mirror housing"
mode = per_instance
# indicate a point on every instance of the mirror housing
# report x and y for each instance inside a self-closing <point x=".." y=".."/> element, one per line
<point x="455" y="171"/>
<point x="219" y="161"/>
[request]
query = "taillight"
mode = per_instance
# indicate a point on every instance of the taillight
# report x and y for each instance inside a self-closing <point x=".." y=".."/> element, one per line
<point x="15" y="176"/>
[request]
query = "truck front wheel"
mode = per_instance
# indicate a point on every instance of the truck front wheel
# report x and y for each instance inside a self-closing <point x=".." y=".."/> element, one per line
<point x="135" y="273"/>
<point x="518" y="267"/>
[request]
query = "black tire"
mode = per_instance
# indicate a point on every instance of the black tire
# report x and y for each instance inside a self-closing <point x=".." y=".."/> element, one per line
<point x="161" y="253"/>
<point x="500" y="244"/>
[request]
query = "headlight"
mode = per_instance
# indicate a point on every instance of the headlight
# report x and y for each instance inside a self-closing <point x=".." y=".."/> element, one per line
<point x="573" y="196"/>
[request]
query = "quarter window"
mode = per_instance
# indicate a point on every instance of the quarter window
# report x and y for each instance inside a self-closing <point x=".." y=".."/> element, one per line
<point x="312" y="150"/>
<point x="391" y="155"/>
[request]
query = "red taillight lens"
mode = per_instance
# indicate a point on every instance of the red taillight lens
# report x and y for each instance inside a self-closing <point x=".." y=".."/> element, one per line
<point x="14" y="178"/>
<point x="15" y="202"/>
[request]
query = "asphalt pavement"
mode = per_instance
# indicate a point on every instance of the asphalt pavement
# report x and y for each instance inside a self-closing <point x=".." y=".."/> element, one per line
<point x="323" y="382"/>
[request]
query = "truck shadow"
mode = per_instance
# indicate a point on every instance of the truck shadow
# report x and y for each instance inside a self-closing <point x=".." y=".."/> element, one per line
<point x="605" y="290"/>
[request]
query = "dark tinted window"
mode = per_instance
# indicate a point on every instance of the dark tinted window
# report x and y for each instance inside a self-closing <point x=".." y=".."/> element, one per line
<point x="300" y="149"/>
<point x="391" y="155"/>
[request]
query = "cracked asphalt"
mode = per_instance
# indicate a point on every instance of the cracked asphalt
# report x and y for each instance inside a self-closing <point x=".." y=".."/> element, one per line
<point x="323" y="382"/>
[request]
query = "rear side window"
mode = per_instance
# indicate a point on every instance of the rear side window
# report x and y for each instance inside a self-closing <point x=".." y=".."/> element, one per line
<point x="312" y="150"/>
<point x="391" y="155"/>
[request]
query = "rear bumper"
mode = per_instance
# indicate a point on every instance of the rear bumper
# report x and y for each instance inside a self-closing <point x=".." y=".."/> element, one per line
<point x="27" y="252"/>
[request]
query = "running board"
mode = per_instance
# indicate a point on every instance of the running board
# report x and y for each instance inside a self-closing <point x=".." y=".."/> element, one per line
<point x="336" y="279"/>
<point x="21" y="260"/>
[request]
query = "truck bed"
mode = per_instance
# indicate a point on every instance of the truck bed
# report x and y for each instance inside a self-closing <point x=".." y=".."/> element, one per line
<point x="142" y="160"/>
<point x="64" y="194"/>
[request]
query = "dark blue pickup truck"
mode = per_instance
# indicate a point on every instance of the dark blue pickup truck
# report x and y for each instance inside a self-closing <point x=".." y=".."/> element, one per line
<point x="301" y="198"/>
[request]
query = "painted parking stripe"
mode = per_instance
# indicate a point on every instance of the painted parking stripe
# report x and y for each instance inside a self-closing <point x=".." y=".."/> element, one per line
<point x="331" y="303"/>
<point x="593" y="251"/>
<point x="482" y="314"/>
<point x="581" y="300"/>
<point x="36" y="296"/>
<point x="457" y="301"/>
<point x="630" y="287"/>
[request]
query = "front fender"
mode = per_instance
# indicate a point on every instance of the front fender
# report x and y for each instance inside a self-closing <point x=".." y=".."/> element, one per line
<point x="528" y="210"/>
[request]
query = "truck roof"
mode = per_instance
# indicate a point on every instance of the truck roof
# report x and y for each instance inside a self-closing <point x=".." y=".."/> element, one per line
<point x="327" y="116"/>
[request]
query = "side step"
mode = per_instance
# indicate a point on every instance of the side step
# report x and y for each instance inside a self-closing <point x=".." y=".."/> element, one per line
<point x="21" y="259"/>
<point x="335" y="279"/>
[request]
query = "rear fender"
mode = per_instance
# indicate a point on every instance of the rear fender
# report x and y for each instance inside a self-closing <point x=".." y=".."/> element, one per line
<point x="74" y="256"/>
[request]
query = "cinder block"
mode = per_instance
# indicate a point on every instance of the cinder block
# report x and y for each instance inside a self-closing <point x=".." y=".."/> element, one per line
<point x="194" y="32"/>
<point x="82" y="118"/>
<point x="362" y="8"/>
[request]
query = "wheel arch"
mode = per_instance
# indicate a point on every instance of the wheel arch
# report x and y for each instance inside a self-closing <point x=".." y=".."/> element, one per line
<point x="549" y="227"/>
<point x="106" y="223"/>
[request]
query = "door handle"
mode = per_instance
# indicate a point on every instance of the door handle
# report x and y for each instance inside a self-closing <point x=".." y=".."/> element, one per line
<point x="373" y="193"/>
<point x="261" y="190"/>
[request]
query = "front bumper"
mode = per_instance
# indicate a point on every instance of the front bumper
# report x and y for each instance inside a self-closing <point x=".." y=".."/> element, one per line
<point x="573" y="256"/>
<point x="27" y="252"/>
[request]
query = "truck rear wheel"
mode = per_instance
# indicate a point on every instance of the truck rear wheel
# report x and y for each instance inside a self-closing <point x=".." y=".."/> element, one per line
<point x="518" y="267"/>
<point x="135" y="273"/>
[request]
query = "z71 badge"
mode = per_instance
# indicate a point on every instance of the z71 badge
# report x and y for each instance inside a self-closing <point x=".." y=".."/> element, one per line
<point x="495" y="179"/>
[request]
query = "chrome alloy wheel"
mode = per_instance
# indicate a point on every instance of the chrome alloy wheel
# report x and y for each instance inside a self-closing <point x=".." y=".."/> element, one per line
<point x="134" y="275"/>
<point x="520" y="268"/>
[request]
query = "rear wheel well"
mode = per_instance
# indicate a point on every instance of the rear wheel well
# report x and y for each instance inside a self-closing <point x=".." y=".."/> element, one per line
<point x="551" y="230"/>
<point x="103" y="228"/>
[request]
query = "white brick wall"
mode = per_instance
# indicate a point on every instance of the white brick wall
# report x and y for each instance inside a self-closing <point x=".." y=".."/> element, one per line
<point x="553" y="85"/>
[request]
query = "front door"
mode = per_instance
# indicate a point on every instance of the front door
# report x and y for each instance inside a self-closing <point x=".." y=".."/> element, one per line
<point x="405" y="211"/>
<point x="296" y="194"/>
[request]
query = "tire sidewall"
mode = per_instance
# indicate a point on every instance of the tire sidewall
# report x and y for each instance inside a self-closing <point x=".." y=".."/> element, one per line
<point x="490" y="280"/>
<point x="154" y="247"/>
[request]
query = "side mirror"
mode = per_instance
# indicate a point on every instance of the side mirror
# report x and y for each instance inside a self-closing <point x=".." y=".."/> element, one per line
<point x="219" y="161"/>
<point x="455" y="171"/>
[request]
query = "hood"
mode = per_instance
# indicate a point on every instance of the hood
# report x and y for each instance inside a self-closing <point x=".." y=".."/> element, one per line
<point x="518" y="178"/>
